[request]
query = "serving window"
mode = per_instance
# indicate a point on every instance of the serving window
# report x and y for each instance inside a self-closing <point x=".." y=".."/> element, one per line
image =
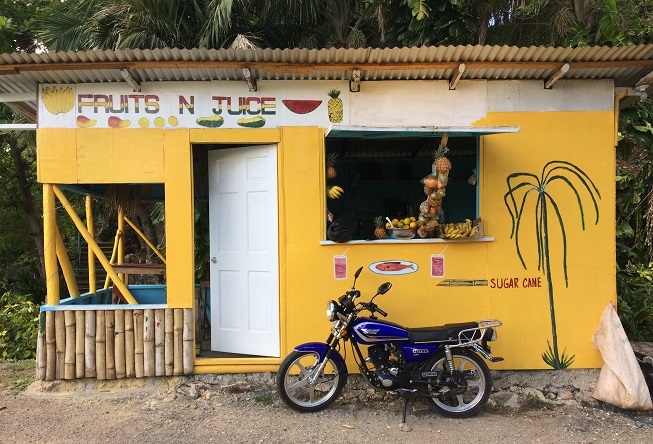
<point x="392" y="180"/>
<point x="423" y="179"/>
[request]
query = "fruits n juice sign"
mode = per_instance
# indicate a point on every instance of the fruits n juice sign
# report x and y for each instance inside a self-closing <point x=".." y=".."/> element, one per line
<point x="215" y="104"/>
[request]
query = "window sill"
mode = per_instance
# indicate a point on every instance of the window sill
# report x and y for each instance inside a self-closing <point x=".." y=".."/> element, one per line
<point x="410" y="241"/>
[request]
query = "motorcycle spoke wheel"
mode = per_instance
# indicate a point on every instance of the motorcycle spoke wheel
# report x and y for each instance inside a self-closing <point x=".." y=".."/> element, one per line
<point x="301" y="388"/>
<point x="464" y="393"/>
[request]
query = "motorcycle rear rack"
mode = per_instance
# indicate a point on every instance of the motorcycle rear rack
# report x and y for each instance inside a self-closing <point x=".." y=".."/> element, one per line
<point x="472" y="337"/>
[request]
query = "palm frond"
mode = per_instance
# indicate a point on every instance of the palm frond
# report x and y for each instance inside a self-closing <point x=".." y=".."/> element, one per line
<point x="564" y="235"/>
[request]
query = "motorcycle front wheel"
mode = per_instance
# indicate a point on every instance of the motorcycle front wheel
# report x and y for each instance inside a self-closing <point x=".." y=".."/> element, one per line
<point x="302" y="389"/>
<point x="463" y="393"/>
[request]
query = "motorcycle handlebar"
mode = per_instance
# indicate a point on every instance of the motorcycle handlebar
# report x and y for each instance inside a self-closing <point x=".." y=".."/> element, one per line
<point x="374" y="308"/>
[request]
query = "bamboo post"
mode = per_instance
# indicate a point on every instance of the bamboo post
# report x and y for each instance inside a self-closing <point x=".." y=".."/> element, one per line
<point x="50" y="247"/>
<point x="148" y="342"/>
<point x="110" y="326"/>
<point x="121" y="243"/>
<point x="100" y="347"/>
<point x="145" y="239"/>
<point x="89" y="344"/>
<point x="69" y="347"/>
<point x="60" y="343"/>
<point x="114" y="254"/>
<point x="80" y="330"/>
<point x="169" y="341"/>
<point x="50" y="347"/>
<point x="41" y="357"/>
<point x="92" y="278"/>
<point x="98" y="252"/>
<point x="159" y="351"/>
<point x="138" y="344"/>
<point x="178" y="327"/>
<point x="119" y="345"/>
<point x="66" y="266"/>
<point x="188" y="335"/>
<point x="130" y="370"/>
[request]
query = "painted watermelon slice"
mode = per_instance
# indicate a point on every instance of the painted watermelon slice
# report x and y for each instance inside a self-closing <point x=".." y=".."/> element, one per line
<point x="302" y="106"/>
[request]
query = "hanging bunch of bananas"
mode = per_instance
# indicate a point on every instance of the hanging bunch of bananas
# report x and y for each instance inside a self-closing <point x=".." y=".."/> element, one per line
<point x="334" y="192"/>
<point x="460" y="229"/>
<point x="58" y="100"/>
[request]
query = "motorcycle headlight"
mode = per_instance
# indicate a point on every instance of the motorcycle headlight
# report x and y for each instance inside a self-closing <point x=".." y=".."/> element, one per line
<point x="332" y="310"/>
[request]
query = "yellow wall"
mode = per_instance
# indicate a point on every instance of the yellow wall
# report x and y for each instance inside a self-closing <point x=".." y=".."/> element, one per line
<point x="306" y="270"/>
<point x="582" y="138"/>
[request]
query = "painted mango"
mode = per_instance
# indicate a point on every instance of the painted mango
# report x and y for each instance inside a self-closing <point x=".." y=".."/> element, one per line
<point x="254" y="122"/>
<point x="85" y="122"/>
<point x="117" y="122"/>
<point x="210" y="122"/>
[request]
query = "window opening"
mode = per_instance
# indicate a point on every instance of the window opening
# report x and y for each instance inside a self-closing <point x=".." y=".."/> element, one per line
<point x="382" y="177"/>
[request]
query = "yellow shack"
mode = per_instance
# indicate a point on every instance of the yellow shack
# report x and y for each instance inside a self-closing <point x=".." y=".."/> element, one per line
<point x="480" y="179"/>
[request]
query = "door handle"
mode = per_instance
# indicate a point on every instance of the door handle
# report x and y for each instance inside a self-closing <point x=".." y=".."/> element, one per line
<point x="214" y="260"/>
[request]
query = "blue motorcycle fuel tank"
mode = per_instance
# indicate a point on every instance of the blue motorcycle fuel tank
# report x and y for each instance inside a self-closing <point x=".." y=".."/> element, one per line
<point x="373" y="331"/>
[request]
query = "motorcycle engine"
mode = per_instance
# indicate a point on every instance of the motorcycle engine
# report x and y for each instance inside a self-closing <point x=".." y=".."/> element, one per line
<point x="387" y="360"/>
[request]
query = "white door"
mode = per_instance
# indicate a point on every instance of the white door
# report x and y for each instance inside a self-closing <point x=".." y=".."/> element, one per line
<point x="244" y="250"/>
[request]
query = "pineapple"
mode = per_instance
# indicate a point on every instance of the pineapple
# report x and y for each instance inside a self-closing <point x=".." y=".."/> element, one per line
<point x="335" y="106"/>
<point x="331" y="172"/>
<point x="379" y="231"/>
<point x="441" y="163"/>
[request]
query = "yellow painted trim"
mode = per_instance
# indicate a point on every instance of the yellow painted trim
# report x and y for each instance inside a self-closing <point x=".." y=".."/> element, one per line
<point x="617" y="99"/>
<point x="50" y="246"/>
<point x="66" y="266"/>
<point x="235" y="365"/>
<point x="87" y="237"/>
<point x="245" y="136"/>
<point x="92" y="278"/>
<point x="180" y="222"/>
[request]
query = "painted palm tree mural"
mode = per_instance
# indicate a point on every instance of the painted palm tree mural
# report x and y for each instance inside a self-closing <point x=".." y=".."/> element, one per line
<point x="526" y="189"/>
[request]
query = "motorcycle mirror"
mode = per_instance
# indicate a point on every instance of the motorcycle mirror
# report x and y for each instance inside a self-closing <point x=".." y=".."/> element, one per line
<point x="384" y="287"/>
<point x="358" y="272"/>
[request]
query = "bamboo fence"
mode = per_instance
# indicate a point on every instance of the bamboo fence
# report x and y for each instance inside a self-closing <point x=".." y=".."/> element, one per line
<point x="114" y="344"/>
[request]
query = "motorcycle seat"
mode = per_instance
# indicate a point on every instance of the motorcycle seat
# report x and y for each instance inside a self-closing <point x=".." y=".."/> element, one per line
<point x="443" y="333"/>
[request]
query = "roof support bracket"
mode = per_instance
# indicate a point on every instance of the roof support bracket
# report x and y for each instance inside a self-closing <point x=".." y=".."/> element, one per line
<point x="457" y="74"/>
<point x="131" y="81"/>
<point x="355" y="82"/>
<point x="251" y="81"/>
<point x="554" y="78"/>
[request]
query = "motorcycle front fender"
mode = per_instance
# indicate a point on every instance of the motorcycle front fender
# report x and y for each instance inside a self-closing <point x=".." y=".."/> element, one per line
<point x="322" y="349"/>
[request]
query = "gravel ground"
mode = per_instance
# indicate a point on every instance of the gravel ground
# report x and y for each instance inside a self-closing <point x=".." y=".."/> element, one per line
<point x="238" y="410"/>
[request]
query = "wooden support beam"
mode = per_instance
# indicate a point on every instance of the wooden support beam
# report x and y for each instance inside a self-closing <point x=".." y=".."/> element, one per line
<point x="457" y="74"/>
<point x="557" y="75"/>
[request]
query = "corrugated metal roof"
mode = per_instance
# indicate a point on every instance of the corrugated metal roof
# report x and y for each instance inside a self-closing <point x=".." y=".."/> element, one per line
<point x="626" y="65"/>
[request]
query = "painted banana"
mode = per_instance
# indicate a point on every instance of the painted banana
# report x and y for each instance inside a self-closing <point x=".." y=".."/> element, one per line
<point x="58" y="100"/>
<point x="334" y="192"/>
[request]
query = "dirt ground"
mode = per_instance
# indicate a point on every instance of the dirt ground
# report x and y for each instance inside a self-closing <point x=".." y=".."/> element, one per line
<point x="162" y="410"/>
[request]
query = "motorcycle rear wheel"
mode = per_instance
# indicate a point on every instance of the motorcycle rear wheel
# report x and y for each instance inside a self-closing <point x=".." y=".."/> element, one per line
<point x="471" y="390"/>
<point x="301" y="389"/>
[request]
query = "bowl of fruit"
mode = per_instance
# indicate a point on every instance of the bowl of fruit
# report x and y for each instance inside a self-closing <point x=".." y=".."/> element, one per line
<point x="402" y="228"/>
<point x="402" y="233"/>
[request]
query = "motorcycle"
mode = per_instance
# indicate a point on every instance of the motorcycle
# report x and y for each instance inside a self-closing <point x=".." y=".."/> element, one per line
<point x="441" y="364"/>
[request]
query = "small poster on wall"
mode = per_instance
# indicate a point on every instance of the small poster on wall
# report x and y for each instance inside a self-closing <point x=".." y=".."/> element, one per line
<point x="340" y="266"/>
<point x="437" y="265"/>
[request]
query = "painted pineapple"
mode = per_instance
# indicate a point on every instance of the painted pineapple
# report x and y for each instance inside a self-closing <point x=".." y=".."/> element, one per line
<point x="335" y="106"/>
<point x="379" y="231"/>
<point x="331" y="172"/>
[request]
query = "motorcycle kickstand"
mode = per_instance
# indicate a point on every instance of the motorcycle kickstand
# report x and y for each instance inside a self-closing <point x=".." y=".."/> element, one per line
<point x="404" y="396"/>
